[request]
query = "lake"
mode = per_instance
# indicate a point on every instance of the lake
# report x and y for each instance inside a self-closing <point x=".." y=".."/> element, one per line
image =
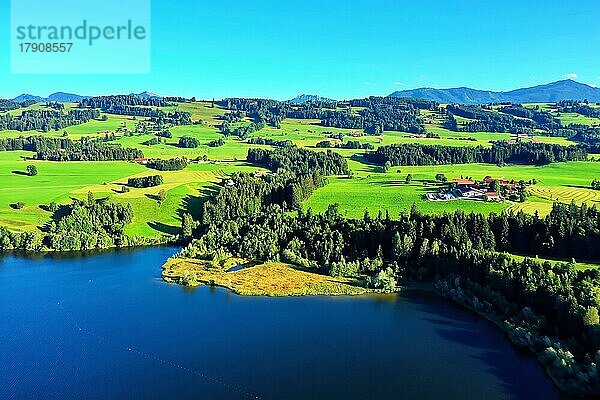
<point x="107" y="327"/>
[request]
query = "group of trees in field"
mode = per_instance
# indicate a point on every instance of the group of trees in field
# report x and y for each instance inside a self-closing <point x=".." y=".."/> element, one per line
<point x="542" y="119"/>
<point x="152" y="141"/>
<point x="89" y="150"/>
<point x="8" y="105"/>
<point x="242" y="131"/>
<point x="379" y="116"/>
<point x="172" y="164"/>
<point x="375" y="101"/>
<point x="188" y="142"/>
<point x="106" y="103"/>
<point x="145" y="181"/>
<point x="216" y="143"/>
<point x="300" y="161"/>
<point x="46" y="120"/>
<point x="64" y="149"/>
<point x="87" y="225"/>
<point x="82" y="225"/>
<point x="270" y="142"/>
<point x="596" y="184"/>
<point x="500" y="153"/>
<point x="350" y="144"/>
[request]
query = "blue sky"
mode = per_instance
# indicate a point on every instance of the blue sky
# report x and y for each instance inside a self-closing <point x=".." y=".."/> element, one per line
<point x="343" y="49"/>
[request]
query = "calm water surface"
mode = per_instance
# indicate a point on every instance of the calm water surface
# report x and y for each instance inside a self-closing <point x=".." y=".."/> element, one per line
<point x="107" y="327"/>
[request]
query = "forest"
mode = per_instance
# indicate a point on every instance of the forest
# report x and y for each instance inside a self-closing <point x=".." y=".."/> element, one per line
<point x="172" y="164"/>
<point x="500" y="153"/>
<point x="87" y="150"/>
<point x="378" y="114"/>
<point x="46" y="120"/>
<point x="65" y="149"/>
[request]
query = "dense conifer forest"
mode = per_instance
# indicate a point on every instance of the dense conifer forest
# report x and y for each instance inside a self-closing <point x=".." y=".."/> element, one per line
<point x="500" y="153"/>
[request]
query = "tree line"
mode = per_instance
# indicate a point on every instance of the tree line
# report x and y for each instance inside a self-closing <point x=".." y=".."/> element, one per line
<point x="350" y="144"/>
<point x="172" y="164"/>
<point x="106" y="103"/>
<point x="145" y="181"/>
<point x="500" y="153"/>
<point x="298" y="173"/>
<point x="270" y="142"/>
<point x="64" y="149"/>
<point x="46" y="120"/>
<point x="8" y="105"/>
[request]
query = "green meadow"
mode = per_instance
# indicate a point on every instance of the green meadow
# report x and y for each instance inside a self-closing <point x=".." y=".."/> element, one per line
<point x="374" y="191"/>
<point x="369" y="189"/>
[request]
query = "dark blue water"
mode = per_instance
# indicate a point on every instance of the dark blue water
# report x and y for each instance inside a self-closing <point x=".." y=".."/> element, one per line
<point x="107" y="327"/>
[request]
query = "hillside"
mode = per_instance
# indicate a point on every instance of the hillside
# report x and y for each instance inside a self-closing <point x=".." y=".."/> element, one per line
<point x="562" y="90"/>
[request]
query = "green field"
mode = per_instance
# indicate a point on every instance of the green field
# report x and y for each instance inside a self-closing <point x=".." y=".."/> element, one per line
<point x="59" y="182"/>
<point x="578" y="265"/>
<point x="368" y="189"/>
<point x="375" y="191"/>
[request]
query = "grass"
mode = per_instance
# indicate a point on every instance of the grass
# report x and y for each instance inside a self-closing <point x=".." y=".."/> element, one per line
<point x="376" y="191"/>
<point x="187" y="189"/>
<point x="54" y="182"/>
<point x="578" y="265"/>
<point x="574" y="118"/>
<point x="269" y="279"/>
<point x="58" y="182"/>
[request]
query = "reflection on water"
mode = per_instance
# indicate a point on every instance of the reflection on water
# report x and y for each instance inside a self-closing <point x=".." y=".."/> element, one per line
<point x="106" y="326"/>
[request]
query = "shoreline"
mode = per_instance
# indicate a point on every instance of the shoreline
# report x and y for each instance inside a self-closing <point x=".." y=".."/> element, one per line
<point x="272" y="279"/>
<point x="412" y="286"/>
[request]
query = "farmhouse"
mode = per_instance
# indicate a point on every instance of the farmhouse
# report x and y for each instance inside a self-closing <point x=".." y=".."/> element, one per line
<point x="492" y="196"/>
<point x="142" y="161"/>
<point x="469" y="189"/>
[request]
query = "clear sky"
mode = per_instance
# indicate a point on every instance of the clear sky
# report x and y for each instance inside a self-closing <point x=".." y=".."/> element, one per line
<point x="343" y="49"/>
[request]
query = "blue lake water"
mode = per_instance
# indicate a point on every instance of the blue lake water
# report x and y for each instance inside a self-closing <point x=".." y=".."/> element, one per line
<point x="107" y="327"/>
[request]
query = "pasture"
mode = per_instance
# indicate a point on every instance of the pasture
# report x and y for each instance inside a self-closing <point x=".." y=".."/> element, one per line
<point x="59" y="182"/>
<point x="369" y="189"/>
<point x="375" y="191"/>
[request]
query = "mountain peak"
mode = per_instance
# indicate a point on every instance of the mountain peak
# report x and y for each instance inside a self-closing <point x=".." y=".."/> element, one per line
<point x="304" y="98"/>
<point x="147" y="95"/>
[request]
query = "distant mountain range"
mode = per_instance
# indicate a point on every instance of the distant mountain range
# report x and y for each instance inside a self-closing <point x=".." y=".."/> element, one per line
<point x="63" y="97"/>
<point x="562" y="90"/>
<point x="304" y="98"/>
<point x="567" y="89"/>
<point x="58" y="96"/>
